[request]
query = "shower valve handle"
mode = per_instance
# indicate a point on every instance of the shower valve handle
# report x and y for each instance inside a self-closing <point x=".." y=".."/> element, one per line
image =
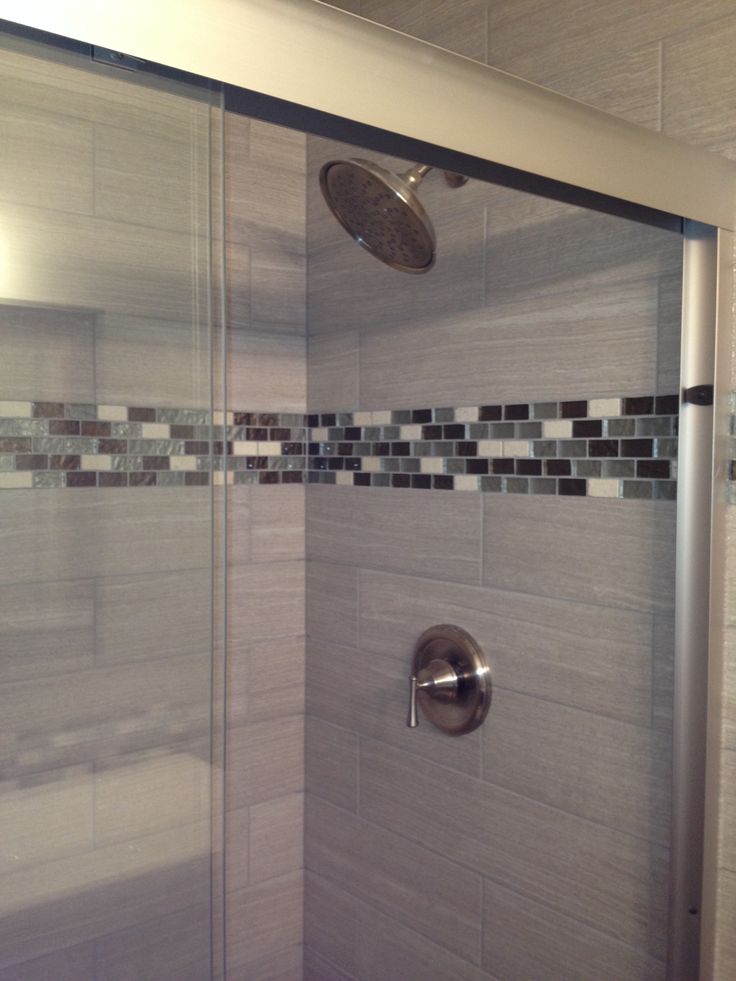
<point x="439" y="680"/>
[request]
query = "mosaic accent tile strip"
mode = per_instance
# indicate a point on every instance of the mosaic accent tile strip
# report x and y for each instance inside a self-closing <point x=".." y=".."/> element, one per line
<point x="613" y="447"/>
<point x="53" y="444"/>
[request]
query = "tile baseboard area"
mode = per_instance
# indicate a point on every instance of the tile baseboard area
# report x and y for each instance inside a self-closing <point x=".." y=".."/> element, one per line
<point x="614" y="447"/>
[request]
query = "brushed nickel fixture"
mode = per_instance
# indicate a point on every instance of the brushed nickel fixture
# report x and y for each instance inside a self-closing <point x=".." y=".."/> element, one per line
<point x="450" y="680"/>
<point x="382" y="212"/>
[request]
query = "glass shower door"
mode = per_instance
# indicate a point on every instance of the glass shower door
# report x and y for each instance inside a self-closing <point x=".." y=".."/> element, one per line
<point x="110" y="750"/>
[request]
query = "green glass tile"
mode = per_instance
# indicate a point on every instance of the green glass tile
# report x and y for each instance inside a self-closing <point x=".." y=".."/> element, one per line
<point x="545" y="410"/>
<point x="444" y="415"/>
<point x="454" y="465"/>
<point x="127" y="463"/>
<point x="361" y="449"/>
<point x="637" y="489"/>
<point x="192" y="417"/>
<point x="419" y="448"/>
<point x="46" y="478"/>
<point x="389" y="433"/>
<point x="528" y="430"/>
<point x="157" y="447"/>
<point x="80" y="410"/>
<point x="167" y="478"/>
<point x="544" y="447"/>
<point x="666" y="448"/>
<point x="127" y="430"/>
<point x="410" y="464"/>
<point x="380" y="479"/>
<point x="618" y="468"/>
<point x="401" y="417"/>
<point x="24" y="427"/>
<point x="619" y="427"/>
<point x="491" y="485"/>
<point x="246" y="477"/>
<point x="587" y="468"/>
<point x="372" y="434"/>
<point x="343" y="419"/>
<point x="573" y="447"/>
<point x="65" y="444"/>
<point x="391" y="464"/>
<point x="665" y="490"/>
<point x="654" y="426"/>
<point x="502" y="430"/>
<point x="7" y="461"/>
<point x="478" y="430"/>
<point x="517" y="485"/>
<point x="543" y="485"/>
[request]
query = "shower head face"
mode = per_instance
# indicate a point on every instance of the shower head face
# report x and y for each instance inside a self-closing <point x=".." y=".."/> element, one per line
<point x="381" y="212"/>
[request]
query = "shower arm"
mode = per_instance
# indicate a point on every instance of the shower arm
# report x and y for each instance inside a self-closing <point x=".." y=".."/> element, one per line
<point x="416" y="174"/>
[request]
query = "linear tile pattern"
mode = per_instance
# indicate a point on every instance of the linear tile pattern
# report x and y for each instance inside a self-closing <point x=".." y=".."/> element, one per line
<point x="599" y="447"/>
<point x="612" y="447"/>
<point x="56" y="444"/>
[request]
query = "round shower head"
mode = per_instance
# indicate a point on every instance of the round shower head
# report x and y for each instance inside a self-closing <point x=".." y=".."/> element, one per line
<point x="381" y="212"/>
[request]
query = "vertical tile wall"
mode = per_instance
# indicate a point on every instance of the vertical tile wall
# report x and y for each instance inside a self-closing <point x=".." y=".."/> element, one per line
<point x="665" y="65"/>
<point x="266" y="265"/>
<point x="104" y="594"/>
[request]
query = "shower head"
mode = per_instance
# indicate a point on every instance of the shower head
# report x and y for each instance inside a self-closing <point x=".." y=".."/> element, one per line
<point x="381" y="211"/>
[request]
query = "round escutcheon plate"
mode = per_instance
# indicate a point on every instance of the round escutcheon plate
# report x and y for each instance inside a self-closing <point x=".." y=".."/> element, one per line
<point x="468" y="706"/>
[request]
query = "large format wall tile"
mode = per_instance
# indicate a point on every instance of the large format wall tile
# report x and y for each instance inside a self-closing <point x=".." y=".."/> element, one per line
<point x="264" y="920"/>
<point x="46" y="628"/>
<point x="602" y="769"/>
<point x="533" y="39"/>
<point x="616" y="553"/>
<point x="360" y="941"/>
<point x="699" y="86"/>
<point x="153" y="615"/>
<point x="611" y="881"/>
<point x="268" y="601"/>
<point x="523" y="939"/>
<point x="175" y="371"/>
<point x="332" y="378"/>
<point x="332" y="603"/>
<point x="586" y="657"/>
<point x="176" y="947"/>
<point x="144" y="793"/>
<point x="267" y="370"/>
<point x="253" y="750"/>
<point x="69" y="964"/>
<point x="89" y="715"/>
<point x="276" y="837"/>
<point x="406" y="882"/>
<point x="503" y="354"/>
<point x="458" y="26"/>
<point x="147" y="179"/>
<point x="89" y="895"/>
<point x="47" y="819"/>
<point x="28" y="334"/>
<point x="64" y="259"/>
<point x="47" y="159"/>
<point x="726" y="942"/>
<point x="331" y="763"/>
<point x="412" y="532"/>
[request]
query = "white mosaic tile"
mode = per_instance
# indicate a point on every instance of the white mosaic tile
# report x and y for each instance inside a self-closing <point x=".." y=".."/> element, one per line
<point x="112" y="413"/>
<point x="604" y="487"/>
<point x="15" y="410"/>
<point x="557" y="428"/>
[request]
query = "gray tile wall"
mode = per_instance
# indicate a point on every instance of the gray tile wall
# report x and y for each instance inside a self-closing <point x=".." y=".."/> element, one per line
<point x="534" y="295"/>
<point x="264" y="794"/>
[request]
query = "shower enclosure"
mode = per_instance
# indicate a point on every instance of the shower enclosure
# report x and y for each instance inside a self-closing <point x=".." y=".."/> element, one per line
<point x="244" y="467"/>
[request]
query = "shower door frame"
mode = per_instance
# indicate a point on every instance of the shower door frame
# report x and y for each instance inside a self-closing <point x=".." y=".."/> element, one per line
<point x="384" y="90"/>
